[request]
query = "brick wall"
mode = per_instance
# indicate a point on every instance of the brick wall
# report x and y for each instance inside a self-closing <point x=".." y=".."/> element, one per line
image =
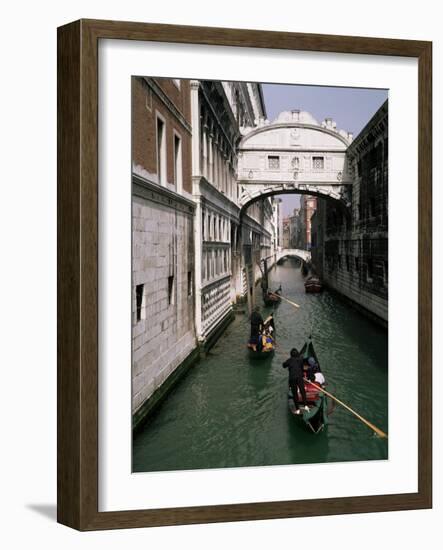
<point x="146" y="102"/>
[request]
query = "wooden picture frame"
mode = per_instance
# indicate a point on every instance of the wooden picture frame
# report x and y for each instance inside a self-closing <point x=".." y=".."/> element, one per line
<point x="78" y="273"/>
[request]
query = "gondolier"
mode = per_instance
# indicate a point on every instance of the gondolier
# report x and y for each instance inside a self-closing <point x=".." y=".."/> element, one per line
<point x="256" y="329"/>
<point x="295" y="367"/>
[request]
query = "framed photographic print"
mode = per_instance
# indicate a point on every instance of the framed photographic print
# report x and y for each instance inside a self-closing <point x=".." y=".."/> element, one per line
<point x="244" y="276"/>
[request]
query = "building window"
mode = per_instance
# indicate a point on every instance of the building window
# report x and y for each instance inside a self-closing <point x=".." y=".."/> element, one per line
<point x="357" y="263"/>
<point x="161" y="151"/>
<point x="139" y="301"/>
<point x="348" y="264"/>
<point x="274" y="162"/>
<point x="318" y="163"/>
<point x="190" y="283"/>
<point x="171" y="289"/>
<point x="178" y="170"/>
<point x="372" y="207"/>
<point x="369" y="270"/>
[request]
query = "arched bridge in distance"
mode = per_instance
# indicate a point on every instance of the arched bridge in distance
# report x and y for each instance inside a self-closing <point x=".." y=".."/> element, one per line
<point x="304" y="255"/>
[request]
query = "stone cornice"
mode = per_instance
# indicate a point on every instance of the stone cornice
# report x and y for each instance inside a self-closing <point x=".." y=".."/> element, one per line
<point x="141" y="187"/>
<point x="277" y="149"/>
<point x="217" y="200"/>
<point x="253" y="224"/>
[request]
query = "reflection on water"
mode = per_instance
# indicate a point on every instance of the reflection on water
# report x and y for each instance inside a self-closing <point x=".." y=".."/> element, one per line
<point x="231" y="410"/>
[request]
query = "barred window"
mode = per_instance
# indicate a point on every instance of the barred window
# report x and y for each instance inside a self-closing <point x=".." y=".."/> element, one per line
<point x="139" y="298"/>
<point x="274" y="162"/>
<point x="318" y="163"/>
<point x="190" y="283"/>
<point x="171" y="289"/>
<point x="369" y="270"/>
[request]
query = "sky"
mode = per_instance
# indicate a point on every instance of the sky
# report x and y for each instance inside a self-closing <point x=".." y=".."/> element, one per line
<point x="351" y="108"/>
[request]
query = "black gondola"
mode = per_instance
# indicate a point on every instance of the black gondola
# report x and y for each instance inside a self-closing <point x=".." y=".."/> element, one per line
<point x="264" y="347"/>
<point x="271" y="298"/>
<point x="316" y="417"/>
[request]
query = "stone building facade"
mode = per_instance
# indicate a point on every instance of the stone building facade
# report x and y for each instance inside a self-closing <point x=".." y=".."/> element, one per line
<point x="219" y="111"/>
<point x="195" y="253"/>
<point x="163" y="311"/>
<point x="308" y="205"/>
<point x="286" y="241"/>
<point x="278" y="222"/>
<point x="350" y="245"/>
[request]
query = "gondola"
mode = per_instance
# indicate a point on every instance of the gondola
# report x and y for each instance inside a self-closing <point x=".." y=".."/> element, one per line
<point x="316" y="417"/>
<point x="313" y="285"/>
<point x="265" y="351"/>
<point x="271" y="298"/>
<point x="267" y="347"/>
<point x="261" y="354"/>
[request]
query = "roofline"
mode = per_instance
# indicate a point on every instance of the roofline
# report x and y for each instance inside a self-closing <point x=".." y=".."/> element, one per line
<point x="262" y="99"/>
<point x="278" y="125"/>
<point x="379" y="113"/>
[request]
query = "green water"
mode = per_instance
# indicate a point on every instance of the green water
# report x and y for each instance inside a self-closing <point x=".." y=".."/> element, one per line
<point x="232" y="411"/>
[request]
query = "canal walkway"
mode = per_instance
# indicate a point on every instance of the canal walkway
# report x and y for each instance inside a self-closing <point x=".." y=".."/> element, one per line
<point x="231" y="411"/>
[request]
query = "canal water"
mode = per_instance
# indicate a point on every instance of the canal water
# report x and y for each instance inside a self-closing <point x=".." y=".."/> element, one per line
<point x="232" y="411"/>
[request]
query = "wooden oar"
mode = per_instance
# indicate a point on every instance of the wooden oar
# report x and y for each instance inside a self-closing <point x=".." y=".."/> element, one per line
<point x="373" y="428"/>
<point x="283" y="298"/>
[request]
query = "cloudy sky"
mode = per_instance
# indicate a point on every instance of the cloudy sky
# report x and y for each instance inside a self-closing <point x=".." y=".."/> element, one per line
<point x="351" y="108"/>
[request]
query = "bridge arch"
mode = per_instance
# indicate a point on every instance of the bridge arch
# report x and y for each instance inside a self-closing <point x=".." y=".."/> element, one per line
<point x="340" y="195"/>
<point x="294" y="154"/>
<point x="304" y="255"/>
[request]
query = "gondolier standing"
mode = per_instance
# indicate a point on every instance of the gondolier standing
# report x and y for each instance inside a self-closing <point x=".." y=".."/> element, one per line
<point x="295" y="367"/>
<point x="256" y="328"/>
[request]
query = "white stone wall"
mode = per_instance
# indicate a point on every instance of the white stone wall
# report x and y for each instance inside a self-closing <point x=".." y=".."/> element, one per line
<point x="165" y="334"/>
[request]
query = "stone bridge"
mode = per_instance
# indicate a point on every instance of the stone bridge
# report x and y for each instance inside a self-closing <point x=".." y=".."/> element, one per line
<point x="304" y="255"/>
<point x="294" y="154"/>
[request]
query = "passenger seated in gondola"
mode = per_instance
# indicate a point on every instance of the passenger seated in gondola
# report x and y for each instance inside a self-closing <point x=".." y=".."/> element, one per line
<point x="310" y="366"/>
<point x="255" y="342"/>
<point x="319" y="378"/>
<point x="267" y="342"/>
<point x="269" y="325"/>
<point x="314" y="373"/>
